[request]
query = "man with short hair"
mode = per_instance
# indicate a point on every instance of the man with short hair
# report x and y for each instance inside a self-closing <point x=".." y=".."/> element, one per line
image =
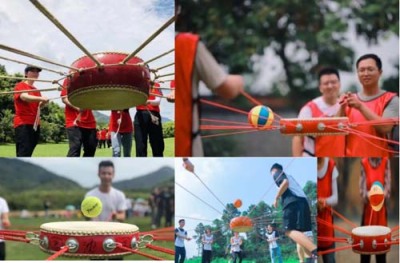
<point x="27" y="113"/>
<point x="325" y="105"/>
<point x="4" y="224"/>
<point x="371" y="104"/>
<point x="180" y="237"/>
<point x="113" y="200"/>
<point x="296" y="211"/>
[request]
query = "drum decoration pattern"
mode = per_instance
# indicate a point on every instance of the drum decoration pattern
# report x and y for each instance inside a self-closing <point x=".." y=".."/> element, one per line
<point x="112" y="86"/>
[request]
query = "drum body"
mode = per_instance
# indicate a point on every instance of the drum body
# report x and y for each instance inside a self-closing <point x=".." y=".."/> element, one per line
<point x="113" y="86"/>
<point x="88" y="239"/>
<point x="372" y="239"/>
<point x="314" y="126"/>
<point x="241" y="224"/>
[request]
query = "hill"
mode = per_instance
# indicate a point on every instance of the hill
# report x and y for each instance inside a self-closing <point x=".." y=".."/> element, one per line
<point x="161" y="177"/>
<point x="17" y="175"/>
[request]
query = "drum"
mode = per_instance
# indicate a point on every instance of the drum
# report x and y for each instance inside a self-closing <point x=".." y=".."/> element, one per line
<point x="88" y="238"/>
<point x="372" y="239"/>
<point x="241" y="224"/>
<point x="314" y="126"/>
<point x="113" y="86"/>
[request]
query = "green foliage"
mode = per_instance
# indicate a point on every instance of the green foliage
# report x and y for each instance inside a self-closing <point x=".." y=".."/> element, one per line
<point x="169" y="129"/>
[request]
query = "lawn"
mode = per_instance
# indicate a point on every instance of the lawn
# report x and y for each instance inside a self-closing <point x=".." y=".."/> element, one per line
<point x="61" y="149"/>
<point x="23" y="251"/>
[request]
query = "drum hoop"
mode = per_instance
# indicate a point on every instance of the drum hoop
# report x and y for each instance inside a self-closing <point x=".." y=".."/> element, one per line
<point x="105" y="52"/>
<point x="73" y="255"/>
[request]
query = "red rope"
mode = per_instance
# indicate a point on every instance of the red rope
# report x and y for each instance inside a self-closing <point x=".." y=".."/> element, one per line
<point x="165" y="229"/>
<point x="163" y="238"/>
<point x="396" y="228"/>
<point x="335" y="239"/>
<point x="336" y="249"/>
<point x="342" y="217"/>
<point x="250" y="98"/>
<point x="226" y="133"/>
<point x="224" y="121"/>
<point x="138" y="252"/>
<point x="13" y="238"/>
<point x="58" y="253"/>
<point x="334" y="226"/>
<point x="223" y="106"/>
<point x="225" y="127"/>
<point x="161" y="249"/>
<point x="395" y="242"/>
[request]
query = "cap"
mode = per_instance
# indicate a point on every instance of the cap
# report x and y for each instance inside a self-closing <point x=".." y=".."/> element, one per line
<point x="30" y="67"/>
<point x="276" y="166"/>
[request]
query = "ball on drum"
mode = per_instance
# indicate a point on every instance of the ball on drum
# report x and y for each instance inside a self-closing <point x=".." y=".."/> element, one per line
<point x="237" y="203"/>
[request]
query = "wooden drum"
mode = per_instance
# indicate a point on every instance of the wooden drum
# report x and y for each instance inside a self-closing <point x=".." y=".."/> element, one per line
<point x="314" y="126"/>
<point x="113" y="86"/>
<point x="372" y="239"/>
<point x="88" y="239"/>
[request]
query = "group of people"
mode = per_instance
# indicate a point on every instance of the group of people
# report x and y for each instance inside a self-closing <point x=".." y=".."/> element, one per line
<point x="162" y="204"/>
<point x="81" y="123"/>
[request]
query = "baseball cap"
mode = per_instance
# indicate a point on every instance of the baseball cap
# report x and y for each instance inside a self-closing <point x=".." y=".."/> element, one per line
<point x="31" y="67"/>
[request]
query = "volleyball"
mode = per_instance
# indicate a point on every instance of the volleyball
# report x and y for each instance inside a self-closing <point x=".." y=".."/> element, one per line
<point x="260" y="117"/>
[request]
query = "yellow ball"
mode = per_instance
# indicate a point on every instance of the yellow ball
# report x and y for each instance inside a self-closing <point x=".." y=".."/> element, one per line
<point x="91" y="206"/>
<point x="261" y="117"/>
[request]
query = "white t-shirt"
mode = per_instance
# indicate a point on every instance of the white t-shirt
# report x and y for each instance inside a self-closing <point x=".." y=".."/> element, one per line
<point x="3" y="209"/>
<point x="305" y="113"/>
<point x="179" y="240"/>
<point x="235" y="247"/>
<point x="112" y="201"/>
<point x="208" y="240"/>
<point x="272" y="235"/>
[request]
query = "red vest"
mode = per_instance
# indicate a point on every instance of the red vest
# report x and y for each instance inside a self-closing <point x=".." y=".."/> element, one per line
<point x="324" y="190"/>
<point x="372" y="175"/>
<point x="356" y="146"/>
<point x="326" y="146"/>
<point x="185" y="55"/>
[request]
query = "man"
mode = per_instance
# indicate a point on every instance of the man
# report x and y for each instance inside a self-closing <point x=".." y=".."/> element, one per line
<point x="274" y="249"/>
<point x="148" y="126"/>
<point x="375" y="172"/>
<point x="370" y="104"/>
<point x="180" y="237"/>
<point x="27" y="113"/>
<point x="4" y="224"/>
<point x="325" y="105"/>
<point x="121" y="130"/>
<point x="327" y="194"/>
<point x="113" y="200"/>
<point x="194" y="63"/>
<point x="296" y="212"/>
<point x="81" y="128"/>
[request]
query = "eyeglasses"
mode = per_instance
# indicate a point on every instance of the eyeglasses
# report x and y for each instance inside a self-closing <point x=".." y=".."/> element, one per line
<point x="368" y="70"/>
<point x="332" y="82"/>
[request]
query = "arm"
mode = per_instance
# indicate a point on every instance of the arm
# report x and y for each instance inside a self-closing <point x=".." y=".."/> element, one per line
<point x="155" y="102"/>
<point x="333" y="199"/>
<point x="297" y="146"/>
<point x="231" y="87"/>
<point x="66" y="102"/>
<point x="29" y="98"/>
<point x="5" y="221"/>
<point x="363" y="185"/>
<point x="282" y="188"/>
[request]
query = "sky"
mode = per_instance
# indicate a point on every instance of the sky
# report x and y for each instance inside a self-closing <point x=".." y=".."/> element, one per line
<point x="97" y="24"/>
<point x="84" y="170"/>
<point x="229" y="179"/>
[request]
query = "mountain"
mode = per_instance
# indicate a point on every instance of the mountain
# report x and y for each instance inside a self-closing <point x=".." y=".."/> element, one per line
<point x="100" y="117"/>
<point x="17" y="176"/>
<point x="161" y="177"/>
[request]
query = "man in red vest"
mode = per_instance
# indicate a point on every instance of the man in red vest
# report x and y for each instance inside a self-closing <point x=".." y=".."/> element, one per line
<point x="26" y="119"/>
<point x="371" y="104"/>
<point x="327" y="194"/>
<point x="194" y="63"/>
<point x="81" y="128"/>
<point x="325" y="105"/>
<point x="374" y="171"/>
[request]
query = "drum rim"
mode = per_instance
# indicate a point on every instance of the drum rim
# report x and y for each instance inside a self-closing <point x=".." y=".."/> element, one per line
<point x="107" y="52"/>
<point x="75" y="232"/>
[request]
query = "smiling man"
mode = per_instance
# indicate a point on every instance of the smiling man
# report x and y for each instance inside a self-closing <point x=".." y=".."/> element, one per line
<point x="370" y="104"/>
<point x="27" y="101"/>
<point x="325" y="105"/>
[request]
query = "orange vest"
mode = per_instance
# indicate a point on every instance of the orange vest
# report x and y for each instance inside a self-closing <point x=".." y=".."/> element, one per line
<point x="356" y="146"/>
<point x="326" y="146"/>
<point x="372" y="175"/>
<point x="324" y="190"/>
<point x="185" y="55"/>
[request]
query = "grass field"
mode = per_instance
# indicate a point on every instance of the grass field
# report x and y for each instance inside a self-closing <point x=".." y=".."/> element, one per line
<point x="23" y="251"/>
<point x="61" y="149"/>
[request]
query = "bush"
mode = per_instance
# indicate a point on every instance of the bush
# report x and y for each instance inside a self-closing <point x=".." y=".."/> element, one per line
<point x="169" y="129"/>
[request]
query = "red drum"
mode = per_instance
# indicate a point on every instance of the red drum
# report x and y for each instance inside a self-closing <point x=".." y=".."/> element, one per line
<point x="113" y="86"/>
<point x="241" y="224"/>
<point x="88" y="239"/>
<point x="315" y="126"/>
<point x="372" y="239"/>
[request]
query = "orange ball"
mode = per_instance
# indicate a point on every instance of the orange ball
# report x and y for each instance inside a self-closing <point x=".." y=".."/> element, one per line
<point x="237" y="203"/>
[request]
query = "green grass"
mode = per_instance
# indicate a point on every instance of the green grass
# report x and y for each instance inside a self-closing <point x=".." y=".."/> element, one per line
<point x="224" y="260"/>
<point x="61" y="149"/>
<point x="23" y="251"/>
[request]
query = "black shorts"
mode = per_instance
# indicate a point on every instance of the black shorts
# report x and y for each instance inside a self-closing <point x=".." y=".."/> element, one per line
<point x="297" y="216"/>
